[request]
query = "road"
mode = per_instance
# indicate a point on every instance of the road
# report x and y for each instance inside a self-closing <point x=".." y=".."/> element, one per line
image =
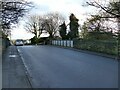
<point x="53" y="67"/>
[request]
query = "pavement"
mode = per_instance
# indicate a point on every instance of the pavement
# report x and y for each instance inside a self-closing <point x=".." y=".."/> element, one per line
<point x="0" y="62"/>
<point x="14" y="74"/>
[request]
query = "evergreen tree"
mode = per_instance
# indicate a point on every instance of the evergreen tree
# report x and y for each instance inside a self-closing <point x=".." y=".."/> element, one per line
<point x="63" y="31"/>
<point x="73" y="27"/>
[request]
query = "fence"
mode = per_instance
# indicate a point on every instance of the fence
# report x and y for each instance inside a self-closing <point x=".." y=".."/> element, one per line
<point x="102" y="46"/>
<point x="65" y="43"/>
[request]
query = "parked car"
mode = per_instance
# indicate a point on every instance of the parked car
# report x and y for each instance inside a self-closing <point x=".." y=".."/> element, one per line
<point x="19" y="42"/>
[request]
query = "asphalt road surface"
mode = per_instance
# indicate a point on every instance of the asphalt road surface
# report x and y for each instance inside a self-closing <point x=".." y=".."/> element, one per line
<point x="53" y="67"/>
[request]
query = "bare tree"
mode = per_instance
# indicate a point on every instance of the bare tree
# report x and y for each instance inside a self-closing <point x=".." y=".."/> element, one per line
<point x="11" y="11"/>
<point x="112" y="9"/>
<point x="52" y="23"/>
<point x="98" y="28"/>
<point x="34" y="25"/>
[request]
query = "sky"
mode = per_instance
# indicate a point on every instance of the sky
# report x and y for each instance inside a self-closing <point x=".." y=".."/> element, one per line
<point x="65" y="7"/>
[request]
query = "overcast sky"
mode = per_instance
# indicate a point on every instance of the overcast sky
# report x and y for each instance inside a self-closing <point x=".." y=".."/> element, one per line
<point x="65" y="7"/>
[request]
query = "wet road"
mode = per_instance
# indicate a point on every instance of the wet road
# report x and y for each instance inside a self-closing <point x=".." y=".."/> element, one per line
<point x="63" y="68"/>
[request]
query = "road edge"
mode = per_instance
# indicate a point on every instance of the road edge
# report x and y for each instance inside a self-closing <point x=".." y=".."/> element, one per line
<point x="26" y="69"/>
<point x="86" y="51"/>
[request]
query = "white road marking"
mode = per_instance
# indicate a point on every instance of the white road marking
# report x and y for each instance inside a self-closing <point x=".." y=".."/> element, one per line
<point x="13" y="56"/>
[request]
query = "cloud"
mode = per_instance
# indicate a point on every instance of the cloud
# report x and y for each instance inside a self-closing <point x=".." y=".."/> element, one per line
<point x="65" y="7"/>
<point x="20" y="33"/>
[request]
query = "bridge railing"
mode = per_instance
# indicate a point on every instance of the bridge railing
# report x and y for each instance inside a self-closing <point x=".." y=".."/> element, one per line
<point x="102" y="46"/>
<point x="65" y="43"/>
